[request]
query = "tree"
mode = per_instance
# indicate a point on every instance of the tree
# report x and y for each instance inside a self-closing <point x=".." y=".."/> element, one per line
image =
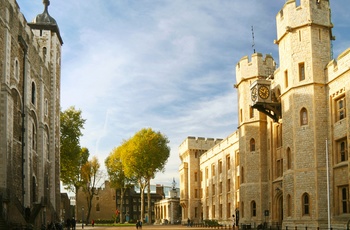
<point x="72" y="156"/>
<point x="117" y="176"/>
<point x="91" y="178"/>
<point x="143" y="155"/>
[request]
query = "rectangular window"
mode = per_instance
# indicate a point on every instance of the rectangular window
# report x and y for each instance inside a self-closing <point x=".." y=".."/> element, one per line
<point x="342" y="150"/>
<point x="340" y="108"/>
<point x="286" y="79"/>
<point x="220" y="167"/>
<point x="228" y="162"/>
<point x="213" y="170"/>
<point x="251" y="112"/>
<point x="228" y="210"/>
<point x="195" y="193"/>
<point x="301" y="71"/>
<point x="213" y="189"/>
<point x="228" y="185"/>
<point x="344" y="194"/>
<point x="195" y="176"/>
<point x="220" y="211"/>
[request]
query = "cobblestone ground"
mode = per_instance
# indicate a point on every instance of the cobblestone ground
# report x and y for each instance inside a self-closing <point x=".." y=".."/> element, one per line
<point x="157" y="227"/>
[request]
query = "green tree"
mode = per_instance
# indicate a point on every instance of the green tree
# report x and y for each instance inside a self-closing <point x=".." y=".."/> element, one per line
<point x="91" y="178"/>
<point x="117" y="176"/>
<point x="72" y="156"/>
<point x="143" y="155"/>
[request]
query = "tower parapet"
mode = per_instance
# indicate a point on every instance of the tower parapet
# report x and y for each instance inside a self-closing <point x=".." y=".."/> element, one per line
<point x="259" y="66"/>
<point x="309" y="12"/>
<point x="339" y="66"/>
<point x="199" y="143"/>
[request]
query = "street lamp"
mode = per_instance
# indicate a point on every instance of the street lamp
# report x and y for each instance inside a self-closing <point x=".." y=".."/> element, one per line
<point x="82" y="218"/>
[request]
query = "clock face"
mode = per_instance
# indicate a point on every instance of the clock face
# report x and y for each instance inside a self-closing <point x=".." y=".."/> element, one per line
<point x="254" y="94"/>
<point x="264" y="92"/>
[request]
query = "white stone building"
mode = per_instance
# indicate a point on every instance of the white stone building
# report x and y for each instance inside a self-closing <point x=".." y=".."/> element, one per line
<point x="293" y="129"/>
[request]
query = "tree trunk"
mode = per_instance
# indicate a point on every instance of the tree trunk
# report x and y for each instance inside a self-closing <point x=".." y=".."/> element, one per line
<point x="122" y="191"/>
<point x="142" y="189"/>
<point x="89" y="203"/>
<point x="149" y="201"/>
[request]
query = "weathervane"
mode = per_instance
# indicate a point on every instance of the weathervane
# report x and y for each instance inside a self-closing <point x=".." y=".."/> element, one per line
<point x="253" y="44"/>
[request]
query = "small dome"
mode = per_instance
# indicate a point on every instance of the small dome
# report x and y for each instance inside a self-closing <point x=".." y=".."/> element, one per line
<point x="45" y="18"/>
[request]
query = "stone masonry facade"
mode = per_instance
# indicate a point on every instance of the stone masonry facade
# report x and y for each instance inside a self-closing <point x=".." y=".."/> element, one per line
<point x="289" y="157"/>
<point x="30" y="54"/>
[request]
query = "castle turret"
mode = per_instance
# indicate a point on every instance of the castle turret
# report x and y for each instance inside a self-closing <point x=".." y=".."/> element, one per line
<point x="304" y="34"/>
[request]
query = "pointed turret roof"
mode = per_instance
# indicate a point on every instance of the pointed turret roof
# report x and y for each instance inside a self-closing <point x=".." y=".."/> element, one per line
<point x="45" y="17"/>
<point x="45" y="21"/>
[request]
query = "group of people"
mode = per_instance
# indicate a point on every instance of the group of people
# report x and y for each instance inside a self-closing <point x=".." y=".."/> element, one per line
<point x="138" y="224"/>
<point x="71" y="224"/>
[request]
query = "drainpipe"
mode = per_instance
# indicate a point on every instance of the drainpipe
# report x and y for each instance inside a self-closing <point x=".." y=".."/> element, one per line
<point x="24" y="46"/>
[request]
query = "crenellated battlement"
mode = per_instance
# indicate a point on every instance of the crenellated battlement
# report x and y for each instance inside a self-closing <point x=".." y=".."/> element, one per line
<point x="199" y="143"/>
<point x="258" y="66"/>
<point x="309" y="12"/>
<point x="338" y="66"/>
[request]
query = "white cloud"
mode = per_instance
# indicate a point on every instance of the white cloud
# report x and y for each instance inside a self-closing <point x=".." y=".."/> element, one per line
<point x="164" y="64"/>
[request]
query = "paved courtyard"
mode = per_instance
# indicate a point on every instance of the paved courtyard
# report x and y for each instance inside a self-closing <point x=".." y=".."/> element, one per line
<point x="158" y="227"/>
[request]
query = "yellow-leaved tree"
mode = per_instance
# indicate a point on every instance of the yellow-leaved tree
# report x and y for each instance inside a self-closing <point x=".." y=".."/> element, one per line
<point x="142" y="156"/>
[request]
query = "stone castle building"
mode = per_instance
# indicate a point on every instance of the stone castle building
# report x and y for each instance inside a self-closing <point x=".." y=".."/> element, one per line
<point x="168" y="209"/>
<point x="287" y="164"/>
<point x="30" y="69"/>
<point x="107" y="201"/>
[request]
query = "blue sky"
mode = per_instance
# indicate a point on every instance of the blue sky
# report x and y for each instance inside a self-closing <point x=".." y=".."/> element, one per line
<point x="164" y="64"/>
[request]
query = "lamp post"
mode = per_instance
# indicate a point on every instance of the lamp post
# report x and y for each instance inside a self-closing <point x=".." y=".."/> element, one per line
<point x="82" y="217"/>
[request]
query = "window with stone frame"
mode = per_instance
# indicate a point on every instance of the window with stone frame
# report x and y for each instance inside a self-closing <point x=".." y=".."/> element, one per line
<point x="343" y="199"/>
<point x="228" y="162"/>
<point x="228" y="185"/>
<point x="340" y="108"/>
<point x="303" y="117"/>
<point x="33" y="100"/>
<point x="342" y="150"/>
<point x="253" y="208"/>
<point x="306" y="204"/>
<point x="252" y="145"/>
<point x="301" y="71"/>
<point x="251" y="112"/>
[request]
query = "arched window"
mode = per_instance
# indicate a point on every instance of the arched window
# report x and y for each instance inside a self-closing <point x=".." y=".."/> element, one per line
<point x="33" y="93"/>
<point x="303" y="117"/>
<point x="253" y="208"/>
<point x="34" y="194"/>
<point x="289" y="205"/>
<point x="252" y="145"/>
<point x="44" y="52"/>
<point x="306" y="204"/>
<point x="289" y="158"/>
<point x="16" y="70"/>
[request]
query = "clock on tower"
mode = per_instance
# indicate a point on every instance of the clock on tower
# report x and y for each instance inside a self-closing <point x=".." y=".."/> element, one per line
<point x="260" y="91"/>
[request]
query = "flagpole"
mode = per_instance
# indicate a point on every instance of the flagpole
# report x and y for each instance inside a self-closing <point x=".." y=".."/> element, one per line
<point x="328" y="198"/>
